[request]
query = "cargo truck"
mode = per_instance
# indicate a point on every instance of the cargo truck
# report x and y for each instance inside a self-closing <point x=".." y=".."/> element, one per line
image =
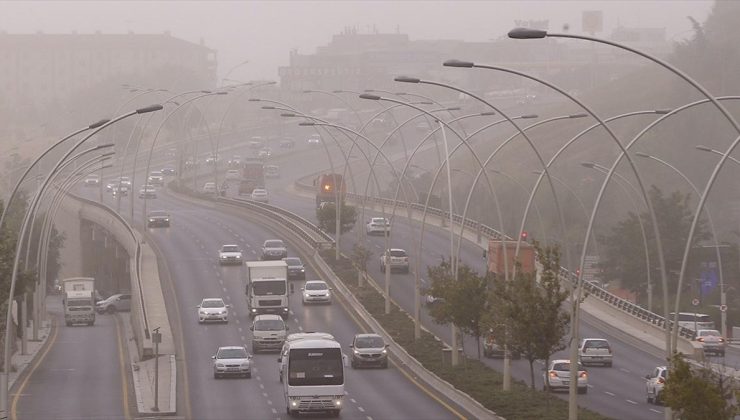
<point x="327" y="188"/>
<point x="252" y="175"/>
<point x="496" y="257"/>
<point x="267" y="288"/>
<point x="79" y="300"/>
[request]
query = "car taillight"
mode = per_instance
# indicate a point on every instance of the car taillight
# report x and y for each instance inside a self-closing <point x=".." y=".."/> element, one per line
<point x="700" y="339"/>
<point x="721" y="340"/>
<point x="553" y="374"/>
<point x="661" y="380"/>
<point x="583" y="375"/>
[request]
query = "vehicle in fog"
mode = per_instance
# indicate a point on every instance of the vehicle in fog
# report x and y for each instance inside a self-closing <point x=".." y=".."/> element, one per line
<point x="654" y="384"/>
<point x="268" y="332"/>
<point x="232" y="361"/>
<point x="595" y="351"/>
<point x="329" y="187"/>
<point x="395" y="259"/>
<point x="158" y="218"/>
<point x="296" y="269"/>
<point x="147" y="191"/>
<point x="92" y="180"/>
<point x="316" y="291"/>
<point x="253" y="175"/>
<point x="378" y="225"/>
<point x="711" y="341"/>
<point x="267" y="288"/>
<point x="114" y="303"/>
<point x="230" y="254"/>
<point x="155" y="178"/>
<point x="213" y="309"/>
<point x="274" y="249"/>
<point x="369" y="350"/>
<point x="287" y="143"/>
<point x="168" y="170"/>
<point x="232" y="174"/>
<point x="557" y="377"/>
<point x="272" y="171"/>
<point x="79" y="300"/>
<point x="693" y="321"/>
<point x="260" y="195"/>
<point x="313" y="376"/>
<point x="210" y="188"/>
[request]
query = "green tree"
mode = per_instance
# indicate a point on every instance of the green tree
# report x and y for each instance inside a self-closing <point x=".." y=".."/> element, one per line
<point x="623" y="254"/>
<point x="528" y="313"/>
<point x="697" y="394"/>
<point x="326" y="214"/>
<point x="464" y="302"/>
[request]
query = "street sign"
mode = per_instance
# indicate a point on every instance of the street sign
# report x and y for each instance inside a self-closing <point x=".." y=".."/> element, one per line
<point x="723" y="308"/>
<point x="695" y="302"/>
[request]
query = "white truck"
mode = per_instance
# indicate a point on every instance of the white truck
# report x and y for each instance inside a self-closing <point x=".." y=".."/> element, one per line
<point x="79" y="300"/>
<point x="267" y="288"/>
<point x="313" y="375"/>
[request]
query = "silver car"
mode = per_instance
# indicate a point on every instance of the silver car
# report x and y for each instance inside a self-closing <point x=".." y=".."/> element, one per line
<point x="232" y="361"/>
<point x="115" y="303"/>
<point x="369" y="350"/>
<point x="274" y="249"/>
<point x="712" y="341"/>
<point x="213" y="309"/>
<point x="557" y="377"/>
<point x="595" y="351"/>
<point x="654" y="384"/>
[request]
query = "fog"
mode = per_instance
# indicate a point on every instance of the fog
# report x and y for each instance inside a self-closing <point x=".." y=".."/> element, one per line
<point x="265" y="32"/>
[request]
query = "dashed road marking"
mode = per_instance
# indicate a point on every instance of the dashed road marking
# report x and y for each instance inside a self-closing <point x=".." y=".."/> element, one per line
<point x="262" y="386"/>
<point x="264" y="394"/>
<point x="274" y="411"/>
<point x="244" y="339"/>
<point x="224" y="289"/>
<point x="300" y="328"/>
<point x="611" y="394"/>
<point x="362" y="410"/>
<point x="624" y="370"/>
<point x="240" y="329"/>
<point x="631" y="402"/>
<point x="269" y="402"/>
<point x="656" y="411"/>
<point x="353" y="401"/>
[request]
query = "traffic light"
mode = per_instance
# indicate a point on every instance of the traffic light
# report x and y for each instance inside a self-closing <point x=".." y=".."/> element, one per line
<point x="524" y="235"/>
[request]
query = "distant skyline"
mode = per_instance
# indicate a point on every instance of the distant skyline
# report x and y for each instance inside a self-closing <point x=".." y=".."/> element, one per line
<point x="264" y="32"/>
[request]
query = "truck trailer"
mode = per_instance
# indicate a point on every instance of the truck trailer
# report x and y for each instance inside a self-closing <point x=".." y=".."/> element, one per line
<point x="79" y="300"/>
<point x="267" y="288"/>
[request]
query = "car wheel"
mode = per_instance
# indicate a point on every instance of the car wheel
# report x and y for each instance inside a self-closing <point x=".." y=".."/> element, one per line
<point x="382" y="268"/>
<point x="583" y="390"/>
<point x="657" y="399"/>
<point x="545" y="388"/>
<point x="384" y="365"/>
<point x="248" y="375"/>
<point x="334" y="413"/>
<point x="254" y="349"/>
<point x="111" y="309"/>
<point x="288" y="411"/>
<point x="649" y="399"/>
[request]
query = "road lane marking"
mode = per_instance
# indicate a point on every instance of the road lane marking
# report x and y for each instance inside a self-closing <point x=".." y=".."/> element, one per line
<point x="611" y="394"/>
<point x="362" y="410"/>
<point x="656" y="411"/>
<point x="122" y="366"/>
<point x="49" y="344"/>
<point x="631" y="402"/>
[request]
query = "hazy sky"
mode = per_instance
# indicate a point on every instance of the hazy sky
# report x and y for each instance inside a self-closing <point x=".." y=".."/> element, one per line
<point x="264" y="32"/>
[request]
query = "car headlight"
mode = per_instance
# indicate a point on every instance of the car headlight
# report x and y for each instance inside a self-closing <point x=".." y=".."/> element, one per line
<point x="219" y="365"/>
<point x="224" y="312"/>
<point x="151" y="220"/>
<point x="303" y="270"/>
<point x="202" y="313"/>
<point x="305" y="294"/>
<point x="238" y="256"/>
<point x="384" y="351"/>
<point x="223" y="257"/>
<point x="356" y="351"/>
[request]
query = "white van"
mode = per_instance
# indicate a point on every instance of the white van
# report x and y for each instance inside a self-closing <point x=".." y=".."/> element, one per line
<point x="268" y="332"/>
<point x="693" y="321"/>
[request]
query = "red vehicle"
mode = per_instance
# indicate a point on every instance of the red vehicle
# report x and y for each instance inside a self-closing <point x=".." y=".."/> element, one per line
<point x="327" y="187"/>
<point x="253" y="175"/>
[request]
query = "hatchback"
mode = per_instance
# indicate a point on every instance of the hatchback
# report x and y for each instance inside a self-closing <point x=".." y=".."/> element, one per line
<point x="232" y="361"/>
<point x="557" y="377"/>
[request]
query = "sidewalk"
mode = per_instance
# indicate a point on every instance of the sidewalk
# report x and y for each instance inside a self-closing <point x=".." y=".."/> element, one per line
<point x="21" y="362"/>
<point x="143" y="379"/>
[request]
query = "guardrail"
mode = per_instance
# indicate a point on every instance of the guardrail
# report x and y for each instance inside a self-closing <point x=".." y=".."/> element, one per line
<point x="137" y="253"/>
<point x="565" y="274"/>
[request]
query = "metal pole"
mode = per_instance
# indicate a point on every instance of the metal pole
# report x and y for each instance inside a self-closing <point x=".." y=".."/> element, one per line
<point x="156" y="339"/>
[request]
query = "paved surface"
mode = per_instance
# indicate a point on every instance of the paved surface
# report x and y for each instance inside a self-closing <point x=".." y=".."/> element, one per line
<point x="20" y="362"/>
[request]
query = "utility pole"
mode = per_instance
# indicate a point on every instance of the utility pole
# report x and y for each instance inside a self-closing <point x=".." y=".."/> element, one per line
<point x="156" y="339"/>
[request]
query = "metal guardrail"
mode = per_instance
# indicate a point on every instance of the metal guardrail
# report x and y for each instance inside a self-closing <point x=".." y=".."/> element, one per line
<point x="565" y="274"/>
<point x="137" y="254"/>
<point x="302" y="227"/>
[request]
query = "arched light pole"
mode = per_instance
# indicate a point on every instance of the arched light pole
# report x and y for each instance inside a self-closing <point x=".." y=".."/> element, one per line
<point x="156" y="135"/>
<point x="14" y="273"/>
<point x="624" y="185"/>
<point x="572" y="401"/>
<point x="722" y="296"/>
<point x="345" y="102"/>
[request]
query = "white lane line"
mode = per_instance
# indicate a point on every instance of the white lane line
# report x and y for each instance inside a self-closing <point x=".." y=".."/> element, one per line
<point x="224" y="289"/>
<point x="611" y="394"/>
<point x="268" y="401"/>
<point x="240" y="329"/>
<point x="352" y="399"/>
<point x="237" y="319"/>
<point x="362" y="410"/>
<point x="244" y="339"/>
<point x="300" y="328"/>
<point x="261" y="385"/>
<point x="631" y="402"/>
<point x="369" y="418"/>
<point x="273" y="410"/>
<point x="656" y="411"/>
<point x="259" y="378"/>
<point x="296" y="319"/>
<point x="624" y="370"/>
<point x="264" y="394"/>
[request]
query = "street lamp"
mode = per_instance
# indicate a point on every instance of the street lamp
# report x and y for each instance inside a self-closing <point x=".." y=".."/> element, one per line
<point x="723" y="296"/>
<point x="14" y="273"/>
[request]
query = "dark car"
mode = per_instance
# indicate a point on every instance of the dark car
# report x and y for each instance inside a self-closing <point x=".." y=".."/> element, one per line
<point x="369" y="350"/>
<point x="274" y="249"/>
<point x="296" y="270"/>
<point x="158" y="218"/>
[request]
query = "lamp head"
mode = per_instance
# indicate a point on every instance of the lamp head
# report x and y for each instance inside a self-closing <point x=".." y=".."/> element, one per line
<point x="487" y="113"/>
<point x="253" y="100"/>
<point x="288" y="114"/>
<point x="640" y="154"/>
<point x="537" y="172"/>
<point x="704" y="148"/>
<point x="97" y="124"/>
<point x="268" y="107"/>
<point x="527" y="33"/>
<point x="590" y="165"/>
<point x="309" y="91"/>
<point x="529" y="116"/>
<point x="307" y="123"/>
<point x="337" y="91"/>
<point x="458" y="63"/>
<point x="369" y="96"/>
<point x="453" y="108"/>
<point x="148" y="109"/>
<point x="406" y="79"/>
<point x="578" y="116"/>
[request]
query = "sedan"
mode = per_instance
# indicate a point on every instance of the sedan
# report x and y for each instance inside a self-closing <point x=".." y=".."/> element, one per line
<point x="147" y="191"/>
<point x="230" y="254"/>
<point x="369" y="350"/>
<point x="210" y="188"/>
<point x="654" y="384"/>
<point x="296" y="270"/>
<point x="115" y="303"/>
<point x="157" y="218"/>
<point x="274" y="249"/>
<point x="232" y="361"/>
<point x="557" y="376"/>
<point x="213" y="309"/>
<point x="378" y="225"/>
<point x="316" y="291"/>
<point x="260" y="195"/>
<point x="595" y="351"/>
<point x="712" y="341"/>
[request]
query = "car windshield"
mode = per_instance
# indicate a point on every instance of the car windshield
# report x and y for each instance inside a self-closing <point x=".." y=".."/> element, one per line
<point x="238" y="353"/>
<point x="268" y="288"/>
<point x="564" y="367"/>
<point x="212" y="304"/>
<point x="157" y="213"/>
<point x="369" y="342"/>
<point x="293" y="262"/>
<point x="156" y="173"/>
<point x="259" y="192"/>
<point x="230" y="248"/>
<point x="379" y="221"/>
<point x="316" y="286"/>
<point x="708" y="333"/>
<point x="398" y="253"/>
<point x="274" y="244"/>
<point x="269" y="325"/>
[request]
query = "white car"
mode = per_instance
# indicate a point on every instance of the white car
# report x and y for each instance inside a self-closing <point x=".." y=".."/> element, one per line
<point x="557" y="376"/>
<point x="398" y="260"/>
<point x="264" y="153"/>
<point x="232" y="361"/>
<point x="712" y="341"/>
<point x="92" y="180"/>
<point x="595" y="351"/>
<point x="156" y="178"/>
<point x="316" y="291"/>
<point x="213" y="309"/>
<point x="115" y="303"/>
<point x="260" y="195"/>
<point x="314" y="141"/>
<point x="379" y="225"/>
<point x="230" y="254"/>
<point x="210" y="188"/>
<point x="654" y="383"/>
<point x="147" y="191"/>
<point x="272" y="171"/>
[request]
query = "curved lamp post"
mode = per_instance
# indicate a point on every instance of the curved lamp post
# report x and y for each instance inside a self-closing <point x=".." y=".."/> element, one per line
<point x="24" y="225"/>
<point x="723" y="297"/>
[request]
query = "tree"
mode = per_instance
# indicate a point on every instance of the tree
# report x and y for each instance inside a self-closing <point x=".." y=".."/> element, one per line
<point x="528" y="313"/>
<point x="360" y="257"/>
<point x="696" y="394"/>
<point x="464" y="302"/>
<point x="326" y="214"/>
<point x="623" y="253"/>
